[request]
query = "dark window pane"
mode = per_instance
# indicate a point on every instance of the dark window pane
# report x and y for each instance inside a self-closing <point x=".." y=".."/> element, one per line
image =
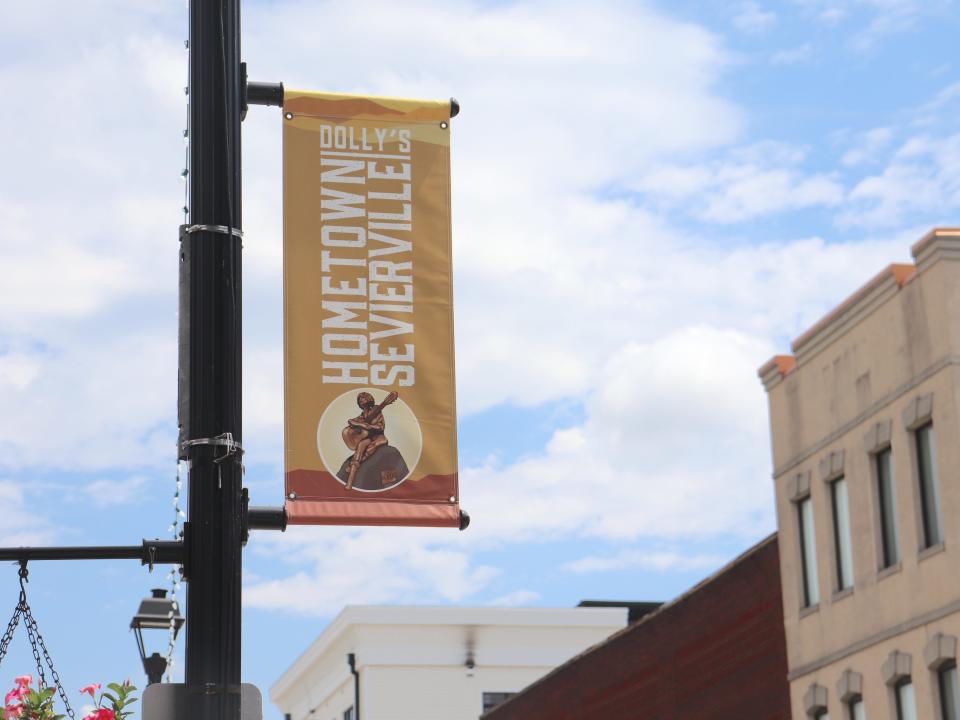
<point x="841" y="533"/>
<point x="949" y="693"/>
<point x="906" y="702"/>
<point x="808" y="552"/>
<point x="492" y="699"/>
<point x="888" y="504"/>
<point x="929" y="498"/>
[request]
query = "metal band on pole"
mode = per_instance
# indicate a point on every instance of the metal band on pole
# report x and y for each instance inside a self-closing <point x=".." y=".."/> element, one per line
<point x="222" y="229"/>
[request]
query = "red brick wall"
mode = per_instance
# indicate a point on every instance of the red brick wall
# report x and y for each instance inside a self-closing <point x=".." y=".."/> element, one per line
<point x="717" y="653"/>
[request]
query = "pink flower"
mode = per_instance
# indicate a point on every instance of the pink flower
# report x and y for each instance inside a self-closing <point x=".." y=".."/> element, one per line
<point x="90" y="689"/>
<point x="12" y="711"/>
<point x="101" y="714"/>
<point x="23" y="680"/>
<point x="16" y="694"/>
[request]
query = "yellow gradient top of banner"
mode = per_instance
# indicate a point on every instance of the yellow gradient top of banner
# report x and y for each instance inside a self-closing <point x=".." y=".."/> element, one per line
<point x="365" y="107"/>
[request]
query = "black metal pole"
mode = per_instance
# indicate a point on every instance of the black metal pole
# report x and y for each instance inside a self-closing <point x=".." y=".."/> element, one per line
<point x="212" y="382"/>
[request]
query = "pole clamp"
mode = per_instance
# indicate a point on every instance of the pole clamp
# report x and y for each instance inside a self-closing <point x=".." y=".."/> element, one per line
<point x="222" y="229"/>
<point x="224" y="440"/>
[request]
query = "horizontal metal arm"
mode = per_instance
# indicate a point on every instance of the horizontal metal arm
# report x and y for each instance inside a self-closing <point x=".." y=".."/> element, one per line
<point x="150" y="552"/>
<point x="260" y="93"/>
<point x="267" y="518"/>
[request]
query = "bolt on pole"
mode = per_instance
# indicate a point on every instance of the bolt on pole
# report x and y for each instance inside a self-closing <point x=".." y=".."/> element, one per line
<point x="211" y="332"/>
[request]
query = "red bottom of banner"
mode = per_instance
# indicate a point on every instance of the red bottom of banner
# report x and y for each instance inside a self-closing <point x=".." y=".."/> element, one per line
<point x="372" y="512"/>
<point x="321" y="499"/>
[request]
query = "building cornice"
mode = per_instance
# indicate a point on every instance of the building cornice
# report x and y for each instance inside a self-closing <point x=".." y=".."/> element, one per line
<point x="851" y="311"/>
<point x="873" y="409"/>
<point x="938" y="244"/>
<point x="774" y="370"/>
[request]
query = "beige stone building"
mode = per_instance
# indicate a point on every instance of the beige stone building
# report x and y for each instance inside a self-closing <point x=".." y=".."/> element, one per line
<point x="866" y="455"/>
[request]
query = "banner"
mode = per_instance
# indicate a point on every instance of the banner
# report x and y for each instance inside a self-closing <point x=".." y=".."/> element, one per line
<point x="370" y="416"/>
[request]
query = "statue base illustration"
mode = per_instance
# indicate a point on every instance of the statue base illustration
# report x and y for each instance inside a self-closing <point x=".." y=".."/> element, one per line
<point x="386" y="467"/>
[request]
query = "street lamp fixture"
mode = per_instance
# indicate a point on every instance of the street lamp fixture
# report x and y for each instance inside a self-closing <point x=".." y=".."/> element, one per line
<point x="157" y="612"/>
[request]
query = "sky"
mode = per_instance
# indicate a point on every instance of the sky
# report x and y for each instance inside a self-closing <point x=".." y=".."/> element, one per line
<point x="650" y="199"/>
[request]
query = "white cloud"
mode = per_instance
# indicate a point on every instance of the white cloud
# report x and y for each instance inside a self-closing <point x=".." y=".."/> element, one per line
<point x="645" y="559"/>
<point x="516" y="598"/>
<point x="921" y="180"/>
<point x="367" y="567"/>
<point x="868" y="146"/>
<point x="876" y="19"/>
<point x="793" y="56"/>
<point x="751" y="18"/>
<point x="890" y="17"/>
<point x="646" y="461"/>
<point x="751" y="182"/>
<point x="91" y="406"/>
<point x="832" y="15"/>
<point x="22" y="525"/>
<point x="115" y="492"/>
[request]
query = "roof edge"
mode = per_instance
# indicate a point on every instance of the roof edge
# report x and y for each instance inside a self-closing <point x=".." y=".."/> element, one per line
<point x="891" y="278"/>
<point x="774" y="369"/>
<point x="354" y="615"/>
<point x="753" y="550"/>
<point x="936" y="244"/>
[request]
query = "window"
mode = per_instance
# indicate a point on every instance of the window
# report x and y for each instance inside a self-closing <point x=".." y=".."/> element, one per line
<point x="822" y="715"/>
<point x="927" y="477"/>
<point x="348" y="714"/>
<point x="857" y="711"/>
<point x="906" y="703"/>
<point x="889" y="543"/>
<point x="808" y="553"/>
<point x="492" y="699"/>
<point x="841" y="533"/>
<point x="949" y="692"/>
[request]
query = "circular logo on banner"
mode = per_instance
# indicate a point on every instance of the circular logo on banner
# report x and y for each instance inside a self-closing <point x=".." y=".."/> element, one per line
<point x="369" y="439"/>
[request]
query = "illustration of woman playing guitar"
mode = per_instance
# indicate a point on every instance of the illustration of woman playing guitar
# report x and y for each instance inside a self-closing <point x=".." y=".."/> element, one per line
<point x="366" y="432"/>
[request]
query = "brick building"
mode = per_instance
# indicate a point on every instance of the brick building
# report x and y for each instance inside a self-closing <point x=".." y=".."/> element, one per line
<point x="715" y="653"/>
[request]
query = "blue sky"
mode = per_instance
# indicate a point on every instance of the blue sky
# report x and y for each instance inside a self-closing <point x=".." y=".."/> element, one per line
<point x="650" y="199"/>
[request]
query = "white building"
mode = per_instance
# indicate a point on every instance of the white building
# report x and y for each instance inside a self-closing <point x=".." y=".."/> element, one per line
<point x="433" y="663"/>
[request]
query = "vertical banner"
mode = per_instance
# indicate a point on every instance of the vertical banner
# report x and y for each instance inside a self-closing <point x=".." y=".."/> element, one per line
<point x="370" y="408"/>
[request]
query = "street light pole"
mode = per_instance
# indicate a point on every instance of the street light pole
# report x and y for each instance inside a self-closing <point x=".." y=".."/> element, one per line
<point x="210" y="363"/>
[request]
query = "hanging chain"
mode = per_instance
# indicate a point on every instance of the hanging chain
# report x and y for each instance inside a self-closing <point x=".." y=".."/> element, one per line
<point x="31" y="623"/>
<point x="8" y="635"/>
<point x="37" y="645"/>
<point x="34" y="646"/>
